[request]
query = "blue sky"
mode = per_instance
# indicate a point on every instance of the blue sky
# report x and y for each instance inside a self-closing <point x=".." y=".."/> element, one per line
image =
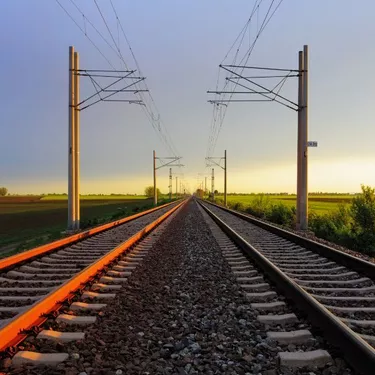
<point x="179" y="45"/>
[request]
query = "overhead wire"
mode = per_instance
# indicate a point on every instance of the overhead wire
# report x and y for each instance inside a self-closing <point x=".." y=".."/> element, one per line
<point x="151" y="113"/>
<point x="110" y="33"/>
<point x="154" y="120"/>
<point x="83" y="31"/>
<point x="94" y="27"/>
<point x="256" y="6"/>
<point x="218" y="108"/>
<point x="259" y="31"/>
<point x="214" y="137"/>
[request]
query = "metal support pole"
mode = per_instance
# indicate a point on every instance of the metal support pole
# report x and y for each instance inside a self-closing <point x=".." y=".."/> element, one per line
<point x="225" y="178"/>
<point x="155" y="191"/>
<point x="205" y="185"/>
<point x="304" y="166"/>
<point x="213" y="185"/>
<point x="299" y="140"/>
<point x="71" y="144"/>
<point x="76" y="142"/>
<point x="176" y="187"/>
<point x="170" y="184"/>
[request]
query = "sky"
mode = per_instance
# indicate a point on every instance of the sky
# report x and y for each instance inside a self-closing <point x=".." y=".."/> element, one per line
<point x="179" y="45"/>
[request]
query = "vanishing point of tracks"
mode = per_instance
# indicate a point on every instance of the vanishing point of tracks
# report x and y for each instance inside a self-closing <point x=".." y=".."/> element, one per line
<point x="285" y="293"/>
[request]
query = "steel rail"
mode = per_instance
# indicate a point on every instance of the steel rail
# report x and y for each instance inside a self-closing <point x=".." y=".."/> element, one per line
<point x="350" y="261"/>
<point x="357" y="351"/>
<point x="15" y="260"/>
<point x="16" y="330"/>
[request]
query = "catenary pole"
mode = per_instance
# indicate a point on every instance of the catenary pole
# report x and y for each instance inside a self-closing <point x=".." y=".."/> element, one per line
<point x="225" y="178"/>
<point x="77" y="143"/>
<point x="170" y="184"/>
<point x="71" y="144"/>
<point x="299" y="140"/>
<point x="155" y="191"/>
<point x="304" y="167"/>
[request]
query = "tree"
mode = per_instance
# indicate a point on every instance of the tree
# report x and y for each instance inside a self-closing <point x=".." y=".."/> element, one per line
<point x="149" y="191"/>
<point x="3" y="191"/>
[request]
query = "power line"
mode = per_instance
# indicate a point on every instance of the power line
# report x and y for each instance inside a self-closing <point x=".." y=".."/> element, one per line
<point x="83" y="31"/>
<point x="216" y="128"/>
<point x="151" y="114"/>
<point x="93" y="26"/>
<point x="214" y="123"/>
<point x="110" y="33"/>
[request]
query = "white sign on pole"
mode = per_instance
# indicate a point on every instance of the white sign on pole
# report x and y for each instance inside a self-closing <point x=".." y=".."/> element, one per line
<point x="312" y="144"/>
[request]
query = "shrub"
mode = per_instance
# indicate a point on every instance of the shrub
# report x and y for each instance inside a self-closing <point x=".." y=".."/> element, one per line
<point x="362" y="211"/>
<point x="281" y="214"/>
<point x="238" y="206"/>
<point x="252" y="211"/>
<point x="334" y="227"/>
<point x="219" y="201"/>
<point x="322" y="226"/>
<point x="259" y="206"/>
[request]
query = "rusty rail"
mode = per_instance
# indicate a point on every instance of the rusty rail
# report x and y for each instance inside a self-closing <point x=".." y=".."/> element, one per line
<point x="12" y="334"/>
<point x="29" y="254"/>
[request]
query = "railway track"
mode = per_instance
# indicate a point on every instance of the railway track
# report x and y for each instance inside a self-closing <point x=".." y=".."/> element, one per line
<point x="205" y="301"/>
<point x="335" y="290"/>
<point x="192" y="309"/>
<point x="34" y="285"/>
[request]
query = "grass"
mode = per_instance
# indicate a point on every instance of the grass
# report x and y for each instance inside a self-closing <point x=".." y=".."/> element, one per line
<point x="320" y="204"/>
<point x="25" y="223"/>
<point x="94" y="197"/>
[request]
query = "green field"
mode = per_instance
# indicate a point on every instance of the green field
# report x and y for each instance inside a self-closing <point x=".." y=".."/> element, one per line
<point x="319" y="204"/>
<point x="94" y="197"/>
<point x="27" y="221"/>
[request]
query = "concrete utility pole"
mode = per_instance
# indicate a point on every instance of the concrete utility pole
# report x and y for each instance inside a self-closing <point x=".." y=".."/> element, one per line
<point x="71" y="143"/>
<point x="77" y="142"/>
<point x="176" y="187"/>
<point x="213" y="185"/>
<point x="170" y="184"/>
<point x="154" y="169"/>
<point x="205" y="185"/>
<point x="299" y="139"/>
<point x="302" y="147"/>
<point x="225" y="178"/>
